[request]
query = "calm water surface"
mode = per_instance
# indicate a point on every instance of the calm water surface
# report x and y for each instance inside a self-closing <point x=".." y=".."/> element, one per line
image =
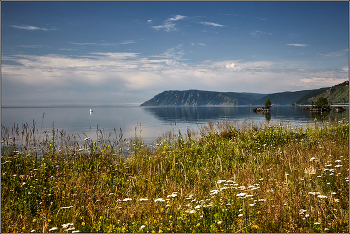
<point x="148" y="122"/>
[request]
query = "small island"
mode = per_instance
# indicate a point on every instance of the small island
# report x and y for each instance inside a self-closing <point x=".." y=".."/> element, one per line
<point x="320" y="106"/>
<point x="264" y="109"/>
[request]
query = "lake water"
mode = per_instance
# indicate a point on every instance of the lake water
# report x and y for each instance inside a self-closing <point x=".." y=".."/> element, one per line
<point x="149" y="122"/>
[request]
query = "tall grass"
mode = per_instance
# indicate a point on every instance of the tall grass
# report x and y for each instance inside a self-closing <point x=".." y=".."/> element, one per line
<point x="230" y="178"/>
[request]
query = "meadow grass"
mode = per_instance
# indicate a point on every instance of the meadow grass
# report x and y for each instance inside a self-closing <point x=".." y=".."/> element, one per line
<point x="230" y="178"/>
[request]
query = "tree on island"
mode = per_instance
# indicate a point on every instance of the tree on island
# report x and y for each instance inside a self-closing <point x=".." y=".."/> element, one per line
<point x="322" y="102"/>
<point x="267" y="104"/>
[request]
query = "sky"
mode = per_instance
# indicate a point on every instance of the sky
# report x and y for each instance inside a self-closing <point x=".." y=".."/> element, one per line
<point x="109" y="53"/>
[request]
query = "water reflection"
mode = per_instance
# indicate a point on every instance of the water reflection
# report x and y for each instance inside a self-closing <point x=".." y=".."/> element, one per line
<point x="197" y="114"/>
<point x="202" y="114"/>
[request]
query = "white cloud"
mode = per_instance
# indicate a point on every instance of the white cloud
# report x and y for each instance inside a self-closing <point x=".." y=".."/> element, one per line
<point x="65" y="78"/>
<point x="177" y="17"/>
<point x="149" y="21"/>
<point x="257" y="33"/>
<point x="335" y="54"/>
<point x="168" y="24"/>
<point x="31" y="28"/>
<point x="113" y="44"/>
<point x="298" y="45"/>
<point x="212" y="24"/>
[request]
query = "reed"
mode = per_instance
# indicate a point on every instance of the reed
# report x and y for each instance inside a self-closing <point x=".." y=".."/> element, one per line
<point x="227" y="178"/>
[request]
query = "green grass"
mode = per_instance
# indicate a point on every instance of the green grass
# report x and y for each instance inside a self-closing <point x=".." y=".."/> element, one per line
<point x="230" y="178"/>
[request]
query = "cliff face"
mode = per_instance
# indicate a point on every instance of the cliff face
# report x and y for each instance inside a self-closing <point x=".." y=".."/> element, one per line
<point x="201" y="98"/>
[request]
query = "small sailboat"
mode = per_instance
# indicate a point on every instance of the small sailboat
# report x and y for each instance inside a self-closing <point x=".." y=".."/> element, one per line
<point x="91" y="110"/>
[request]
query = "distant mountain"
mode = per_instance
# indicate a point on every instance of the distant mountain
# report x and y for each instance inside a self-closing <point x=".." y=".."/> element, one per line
<point x="283" y="98"/>
<point x="201" y="98"/>
<point x="335" y="94"/>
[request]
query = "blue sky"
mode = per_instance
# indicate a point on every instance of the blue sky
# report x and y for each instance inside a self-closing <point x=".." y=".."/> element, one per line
<point x="56" y="53"/>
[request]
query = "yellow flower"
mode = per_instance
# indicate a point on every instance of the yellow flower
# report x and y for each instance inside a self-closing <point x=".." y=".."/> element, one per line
<point x="83" y="223"/>
<point x="101" y="217"/>
<point x="170" y="216"/>
<point x="49" y="220"/>
<point x="146" y="222"/>
<point x="259" y="212"/>
<point x="198" y="224"/>
<point x="23" y="228"/>
<point x="153" y="231"/>
<point x="256" y="226"/>
<point x="81" y="217"/>
<point x="46" y="225"/>
<point x="34" y="220"/>
<point x="160" y="231"/>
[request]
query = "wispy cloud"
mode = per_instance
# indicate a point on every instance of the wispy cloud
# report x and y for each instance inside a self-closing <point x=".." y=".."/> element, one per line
<point x="168" y="24"/>
<point x="104" y="43"/>
<point x="257" y="33"/>
<point x="293" y="35"/>
<point x="174" y="53"/>
<point x="212" y="24"/>
<point x="32" y="28"/>
<point x="335" y="54"/>
<point x="31" y="46"/>
<point x="298" y="45"/>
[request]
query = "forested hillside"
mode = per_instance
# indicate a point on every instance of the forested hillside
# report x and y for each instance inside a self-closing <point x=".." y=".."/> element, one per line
<point x="336" y="94"/>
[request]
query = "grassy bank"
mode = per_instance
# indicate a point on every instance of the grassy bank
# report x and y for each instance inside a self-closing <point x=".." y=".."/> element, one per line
<point x="245" y="178"/>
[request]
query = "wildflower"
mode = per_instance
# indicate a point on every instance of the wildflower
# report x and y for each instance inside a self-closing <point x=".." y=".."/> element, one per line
<point x="174" y="194"/>
<point x="66" y="225"/>
<point x="322" y="196"/>
<point x="192" y="212"/>
<point x="66" y="207"/>
<point x="34" y="220"/>
<point x="252" y="204"/>
<point x="23" y="228"/>
<point x="241" y="194"/>
<point x="198" y="224"/>
<point x="258" y="212"/>
<point x="127" y="199"/>
<point x="83" y="223"/>
<point x="160" y="231"/>
<point x="307" y="215"/>
<point x="326" y="229"/>
<point x="317" y="223"/>
<point x="338" y="165"/>
<point x="142" y="227"/>
<point x="75" y="231"/>
<point x="32" y="230"/>
<point x="159" y="200"/>
<point x="70" y="229"/>
<point x="143" y="199"/>
<point x="198" y="207"/>
<point x="302" y="211"/>
<point x="111" y="194"/>
<point x="52" y="229"/>
<point x="256" y="226"/>
<point x="214" y="192"/>
<point x="336" y="200"/>
<point x="220" y="181"/>
<point x="312" y="159"/>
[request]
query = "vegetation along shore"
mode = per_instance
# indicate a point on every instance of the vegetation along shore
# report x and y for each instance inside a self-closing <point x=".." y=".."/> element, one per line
<point x="232" y="178"/>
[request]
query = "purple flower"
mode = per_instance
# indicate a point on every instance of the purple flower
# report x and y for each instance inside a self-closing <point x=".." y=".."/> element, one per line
<point x="307" y="215"/>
